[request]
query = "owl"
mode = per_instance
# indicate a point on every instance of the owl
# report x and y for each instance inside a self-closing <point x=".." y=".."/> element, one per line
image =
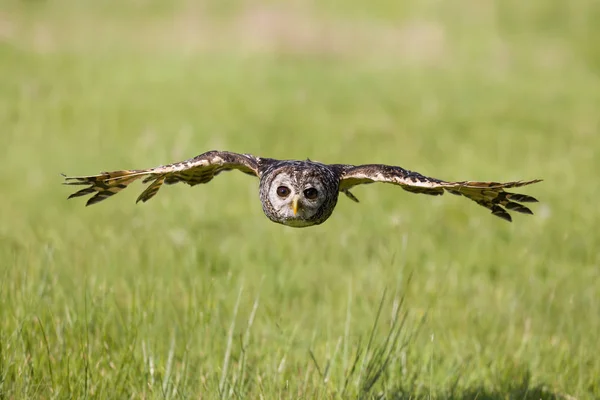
<point x="300" y="193"/>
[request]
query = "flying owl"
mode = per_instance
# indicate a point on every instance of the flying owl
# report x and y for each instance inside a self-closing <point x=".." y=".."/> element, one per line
<point x="300" y="193"/>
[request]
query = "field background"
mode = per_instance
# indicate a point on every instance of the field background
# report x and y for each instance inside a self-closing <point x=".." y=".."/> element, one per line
<point x="196" y="294"/>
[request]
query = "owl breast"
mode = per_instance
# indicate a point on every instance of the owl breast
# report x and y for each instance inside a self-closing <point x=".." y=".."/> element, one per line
<point x="299" y="193"/>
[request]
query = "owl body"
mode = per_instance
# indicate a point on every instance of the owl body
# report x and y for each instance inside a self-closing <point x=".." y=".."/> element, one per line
<point x="300" y="193"/>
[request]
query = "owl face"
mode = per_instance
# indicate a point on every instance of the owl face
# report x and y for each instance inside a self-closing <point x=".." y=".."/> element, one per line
<point x="300" y="197"/>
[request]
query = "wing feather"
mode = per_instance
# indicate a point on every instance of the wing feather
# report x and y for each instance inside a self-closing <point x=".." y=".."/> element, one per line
<point x="197" y="170"/>
<point x="490" y="195"/>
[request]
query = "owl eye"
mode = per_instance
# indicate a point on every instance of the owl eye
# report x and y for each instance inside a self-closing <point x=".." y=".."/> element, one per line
<point x="311" y="193"/>
<point x="283" y="191"/>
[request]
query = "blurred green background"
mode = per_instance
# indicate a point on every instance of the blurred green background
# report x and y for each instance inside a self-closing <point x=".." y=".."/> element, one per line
<point x="196" y="294"/>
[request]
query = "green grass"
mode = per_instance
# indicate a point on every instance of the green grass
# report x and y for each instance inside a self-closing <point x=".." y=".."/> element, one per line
<point x="196" y="294"/>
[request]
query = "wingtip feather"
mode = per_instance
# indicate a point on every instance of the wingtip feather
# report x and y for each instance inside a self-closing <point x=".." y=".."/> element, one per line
<point x="503" y="215"/>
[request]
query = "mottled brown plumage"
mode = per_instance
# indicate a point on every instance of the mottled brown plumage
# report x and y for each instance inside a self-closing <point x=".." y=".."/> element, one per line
<point x="311" y="188"/>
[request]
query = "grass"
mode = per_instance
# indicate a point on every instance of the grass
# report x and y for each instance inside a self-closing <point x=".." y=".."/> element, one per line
<point x="196" y="294"/>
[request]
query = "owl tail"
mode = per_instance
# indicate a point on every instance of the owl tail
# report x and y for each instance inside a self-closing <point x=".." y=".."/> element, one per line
<point x="107" y="184"/>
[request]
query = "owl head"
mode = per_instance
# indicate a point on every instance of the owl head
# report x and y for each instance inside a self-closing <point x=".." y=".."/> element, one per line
<point x="299" y="195"/>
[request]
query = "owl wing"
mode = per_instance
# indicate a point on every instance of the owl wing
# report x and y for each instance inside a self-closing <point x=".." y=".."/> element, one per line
<point x="200" y="169"/>
<point x="490" y="195"/>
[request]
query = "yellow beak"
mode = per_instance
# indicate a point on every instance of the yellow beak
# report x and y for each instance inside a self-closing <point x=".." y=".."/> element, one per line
<point x="295" y="204"/>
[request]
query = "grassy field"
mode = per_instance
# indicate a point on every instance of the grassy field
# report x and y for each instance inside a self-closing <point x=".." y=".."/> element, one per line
<point x="197" y="295"/>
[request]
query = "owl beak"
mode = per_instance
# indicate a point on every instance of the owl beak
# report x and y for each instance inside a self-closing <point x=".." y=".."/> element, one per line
<point x="295" y="205"/>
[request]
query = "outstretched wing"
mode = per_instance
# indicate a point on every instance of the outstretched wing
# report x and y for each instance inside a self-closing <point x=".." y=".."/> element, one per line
<point x="490" y="195"/>
<point x="200" y="169"/>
